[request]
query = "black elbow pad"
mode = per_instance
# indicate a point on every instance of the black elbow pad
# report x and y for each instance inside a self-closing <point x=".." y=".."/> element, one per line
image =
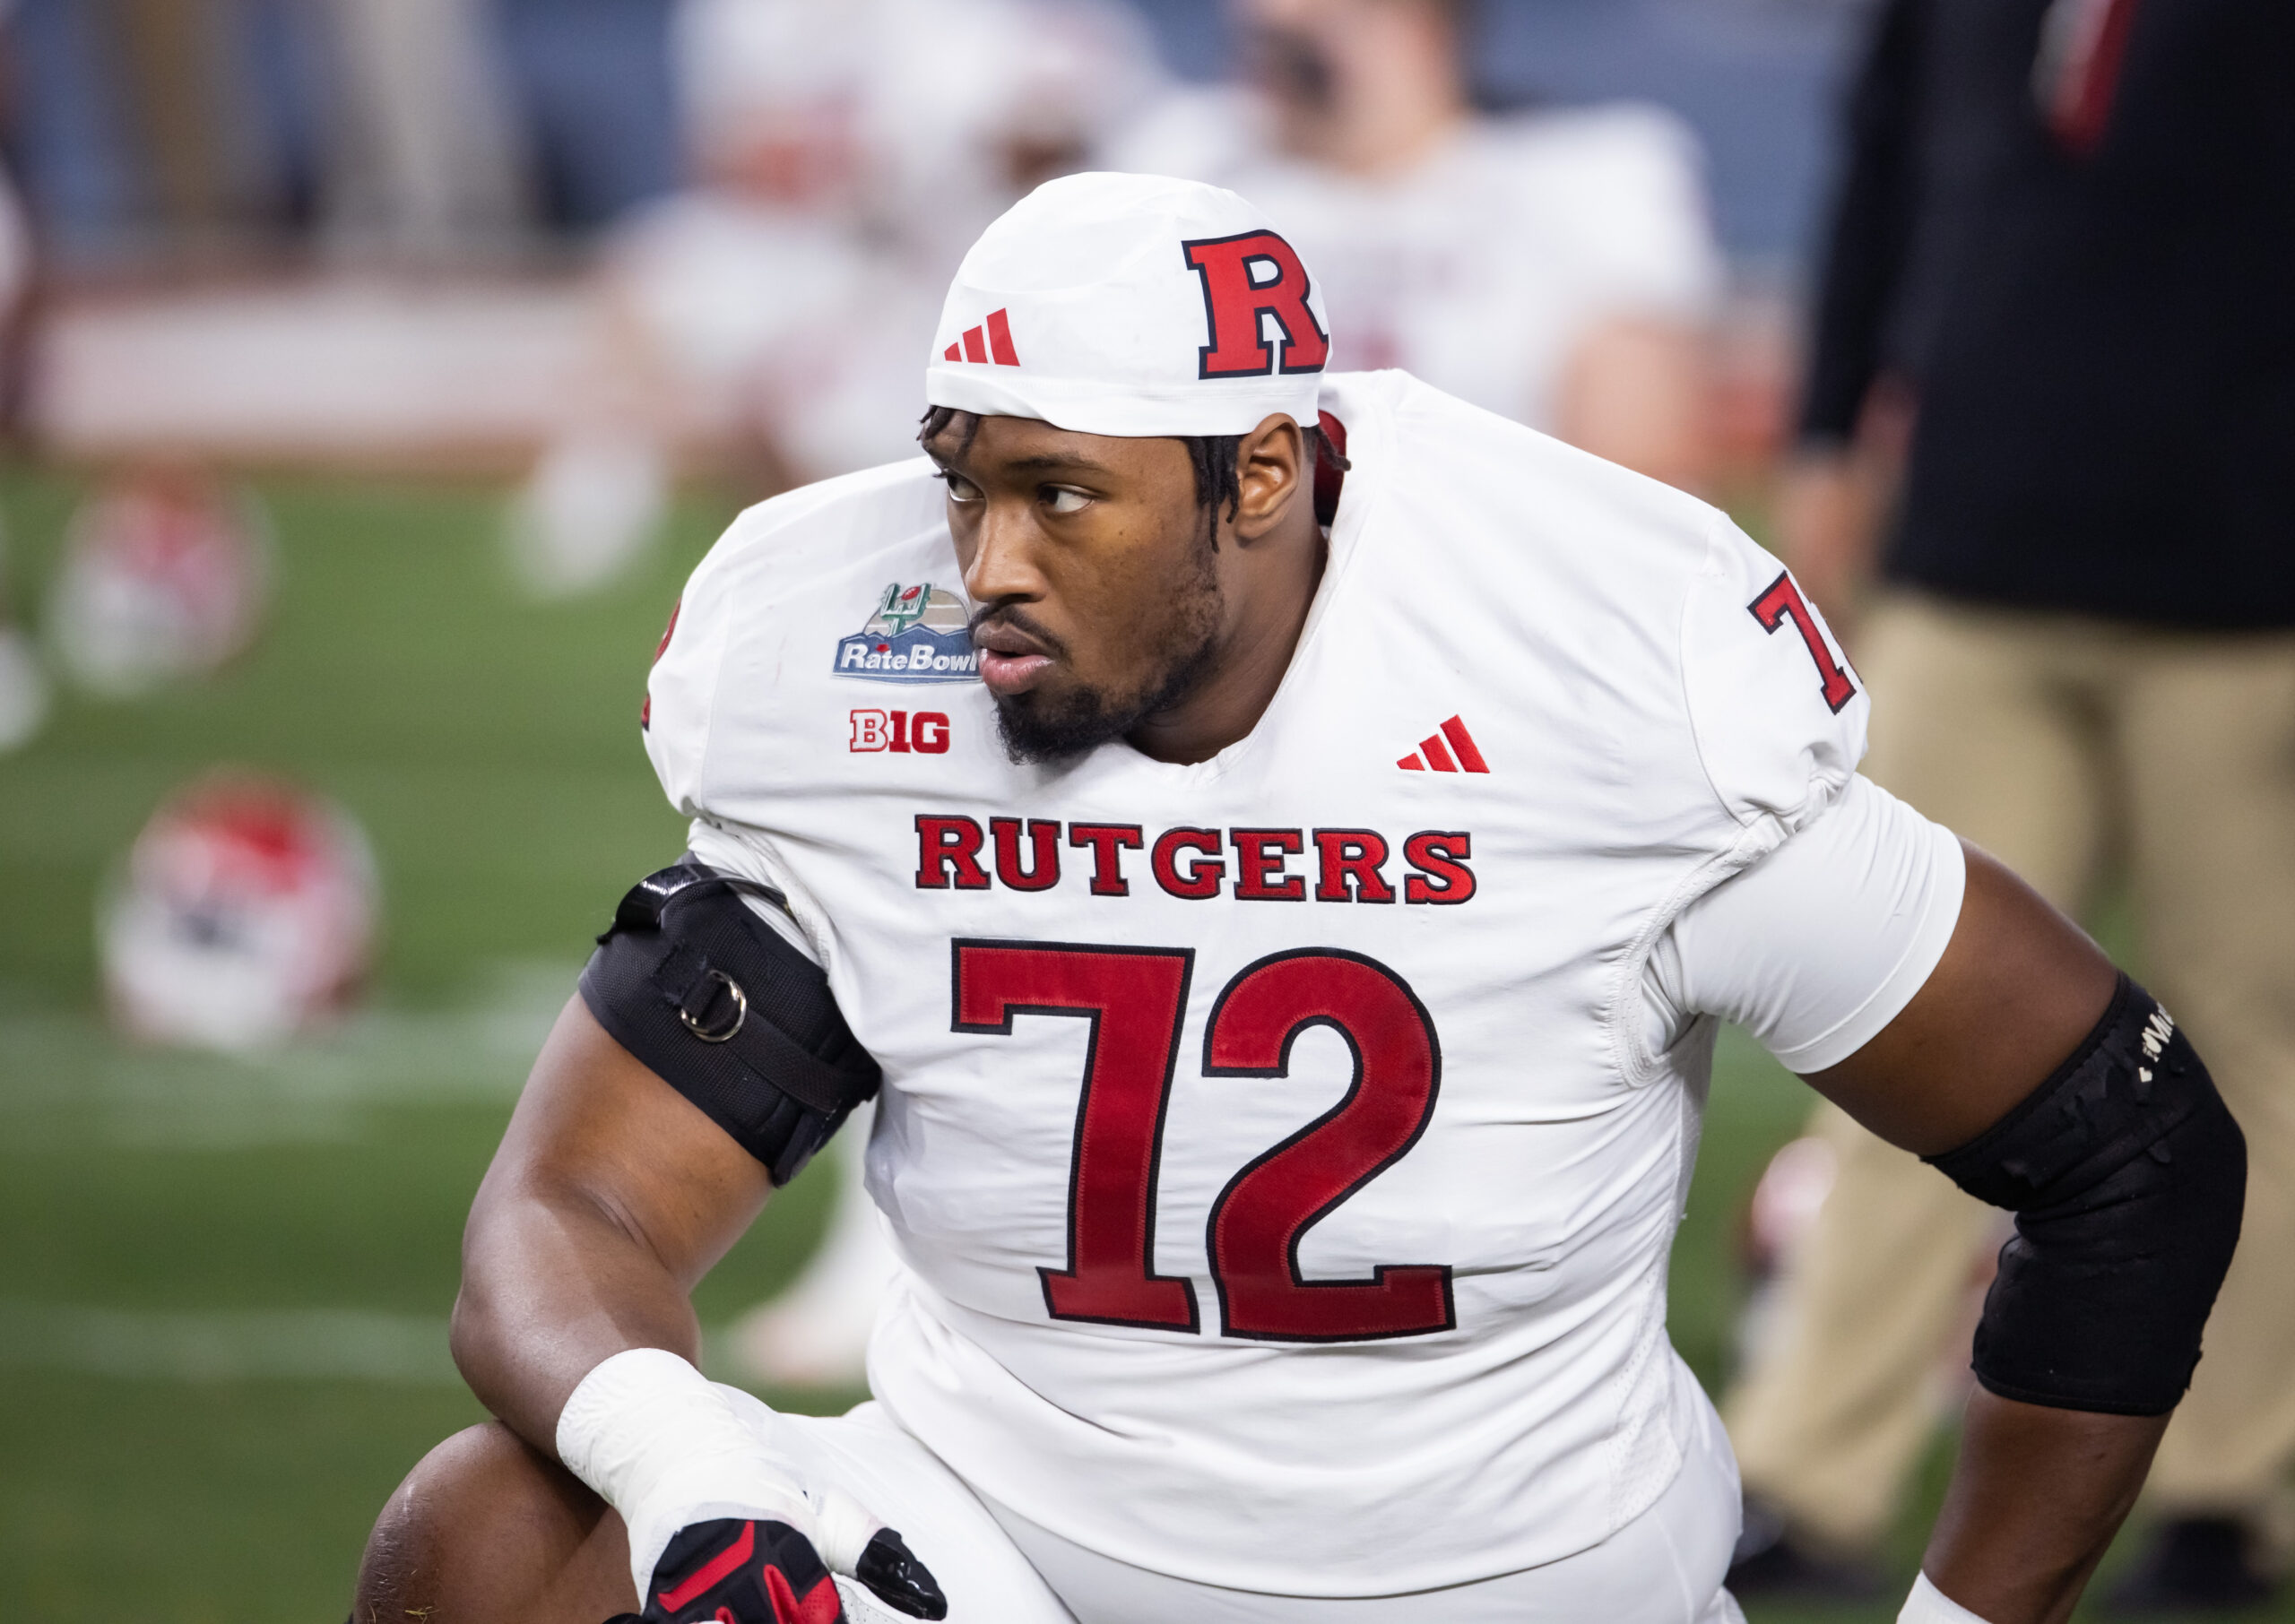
<point x="718" y="1005"/>
<point x="2127" y="1176"/>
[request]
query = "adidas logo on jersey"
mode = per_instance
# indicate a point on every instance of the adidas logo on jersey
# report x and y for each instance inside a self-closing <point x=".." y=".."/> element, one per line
<point x="991" y="341"/>
<point x="1458" y="755"/>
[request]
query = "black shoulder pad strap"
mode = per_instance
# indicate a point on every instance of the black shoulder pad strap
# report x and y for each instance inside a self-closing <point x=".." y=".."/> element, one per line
<point x="717" y="1004"/>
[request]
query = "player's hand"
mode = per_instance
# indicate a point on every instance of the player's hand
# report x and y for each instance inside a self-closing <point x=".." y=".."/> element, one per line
<point x="729" y="1571"/>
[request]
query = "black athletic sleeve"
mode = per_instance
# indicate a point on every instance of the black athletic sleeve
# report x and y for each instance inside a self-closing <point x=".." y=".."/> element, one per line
<point x="2127" y="1176"/>
<point x="1871" y="228"/>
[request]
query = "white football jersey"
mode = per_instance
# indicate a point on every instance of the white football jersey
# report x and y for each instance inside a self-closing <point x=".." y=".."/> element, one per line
<point x="1483" y="268"/>
<point x="1285" y="1179"/>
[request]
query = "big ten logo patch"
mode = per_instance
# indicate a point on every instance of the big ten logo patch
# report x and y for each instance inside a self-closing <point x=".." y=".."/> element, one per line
<point x="926" y="733"/>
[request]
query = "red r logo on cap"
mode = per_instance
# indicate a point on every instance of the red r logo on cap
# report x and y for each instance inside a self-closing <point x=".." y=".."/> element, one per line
<point x="1244" y="278"/>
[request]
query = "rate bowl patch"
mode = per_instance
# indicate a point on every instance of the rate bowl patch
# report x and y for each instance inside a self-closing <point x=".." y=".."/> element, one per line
<point x="918" y="634"/>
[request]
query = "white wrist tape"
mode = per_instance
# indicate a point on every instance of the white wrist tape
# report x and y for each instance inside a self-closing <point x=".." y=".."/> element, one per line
<point x="1929" y="1605"/>
<point x="666" y="1449"/>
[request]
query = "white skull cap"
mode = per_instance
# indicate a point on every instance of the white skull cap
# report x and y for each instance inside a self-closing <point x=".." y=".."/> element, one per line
<point x="1131" y="305"/>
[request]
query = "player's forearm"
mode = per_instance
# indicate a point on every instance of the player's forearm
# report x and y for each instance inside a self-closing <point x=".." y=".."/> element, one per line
<point x="611" y="1197"/>
<point x="552" y="1285"/>
<point x="2036" y="1497"/>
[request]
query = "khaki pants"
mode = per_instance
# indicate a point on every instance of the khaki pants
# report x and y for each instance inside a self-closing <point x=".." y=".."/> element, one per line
<point x="2057" y="744"/>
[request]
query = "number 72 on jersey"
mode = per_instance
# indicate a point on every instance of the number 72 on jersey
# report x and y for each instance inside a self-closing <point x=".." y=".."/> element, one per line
<point x="1136" y="1000"/>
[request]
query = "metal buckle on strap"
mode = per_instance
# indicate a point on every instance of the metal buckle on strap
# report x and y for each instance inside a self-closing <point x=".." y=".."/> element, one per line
<point x="718" y="1034"/>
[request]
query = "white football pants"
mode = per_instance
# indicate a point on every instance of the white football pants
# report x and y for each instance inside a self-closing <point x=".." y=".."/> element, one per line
<point x="1666" y="1567"/>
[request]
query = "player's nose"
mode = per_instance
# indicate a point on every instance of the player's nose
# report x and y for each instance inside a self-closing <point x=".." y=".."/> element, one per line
<point x="1003" y="568"/>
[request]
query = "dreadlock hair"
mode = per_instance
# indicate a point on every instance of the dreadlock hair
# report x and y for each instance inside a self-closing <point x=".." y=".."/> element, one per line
<point x="1218" y="482"/>
<point x="935" y="423"/>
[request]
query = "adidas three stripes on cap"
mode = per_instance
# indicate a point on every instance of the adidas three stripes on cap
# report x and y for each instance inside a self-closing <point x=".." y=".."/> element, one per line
<point x="1131" y="305"/>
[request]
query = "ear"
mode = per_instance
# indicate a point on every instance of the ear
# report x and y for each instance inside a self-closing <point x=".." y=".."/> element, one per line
<point x="1273" y="476"/>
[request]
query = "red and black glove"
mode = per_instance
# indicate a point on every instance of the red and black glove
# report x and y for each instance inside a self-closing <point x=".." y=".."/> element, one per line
<point x="728" y="1571"/>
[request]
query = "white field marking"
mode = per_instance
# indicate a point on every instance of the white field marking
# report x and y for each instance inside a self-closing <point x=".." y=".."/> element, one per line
<point x="337" y="1344"/>
<point x="66" y="1080"/>
<point x="256" y="1345"/>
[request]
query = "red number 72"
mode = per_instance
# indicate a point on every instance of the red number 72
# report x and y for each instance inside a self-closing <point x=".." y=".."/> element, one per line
<point x="1136" y="999"/>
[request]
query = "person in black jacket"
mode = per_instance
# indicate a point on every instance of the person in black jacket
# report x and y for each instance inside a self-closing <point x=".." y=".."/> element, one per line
<point x="2048" y="429"/>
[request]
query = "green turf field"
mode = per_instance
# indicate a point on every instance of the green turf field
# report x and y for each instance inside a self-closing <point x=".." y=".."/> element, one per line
<point x="223" y="1286"/>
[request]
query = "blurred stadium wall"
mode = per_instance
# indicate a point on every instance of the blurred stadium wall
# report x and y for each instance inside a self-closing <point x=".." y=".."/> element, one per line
<point x="234" y="196"/>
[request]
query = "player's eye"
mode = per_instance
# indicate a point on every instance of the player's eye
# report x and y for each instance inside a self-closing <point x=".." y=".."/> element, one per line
<point x="960" y="489"/>
<point x="1064" y="501"/>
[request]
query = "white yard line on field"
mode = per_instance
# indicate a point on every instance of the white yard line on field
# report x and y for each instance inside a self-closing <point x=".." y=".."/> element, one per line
<point x="65" y="1078"/>
<point x="255" y="1344"/>
<point x="342" y="1344"/>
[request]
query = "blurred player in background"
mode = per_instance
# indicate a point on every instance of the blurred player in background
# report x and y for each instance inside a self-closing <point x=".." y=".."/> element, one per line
<point x="1554" y="267"/>
<point x="843" y="156"/>
<point x="424" y="161"/>
<point x="2068" y="235"/>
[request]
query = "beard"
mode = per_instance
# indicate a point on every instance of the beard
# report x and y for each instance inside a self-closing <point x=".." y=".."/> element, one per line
<point x="1045" y="729"/>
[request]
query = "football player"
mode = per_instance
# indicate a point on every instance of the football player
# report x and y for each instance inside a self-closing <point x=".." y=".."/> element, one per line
<point x="1277" y="846"/>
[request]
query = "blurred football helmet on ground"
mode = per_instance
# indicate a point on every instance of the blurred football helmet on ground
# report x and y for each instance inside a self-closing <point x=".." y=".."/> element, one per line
<point x="244" y="915"/>
<point x="165" y="577"/>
